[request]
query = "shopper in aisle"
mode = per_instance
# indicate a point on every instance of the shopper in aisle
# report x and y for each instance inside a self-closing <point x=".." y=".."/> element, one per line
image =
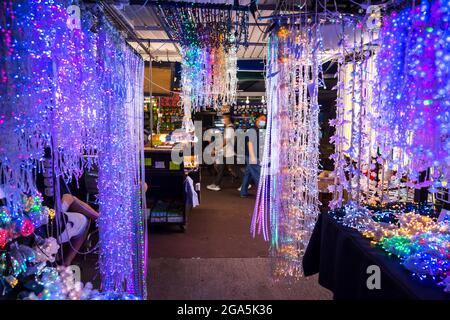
<point x="253" y="155"/>
<point x="225" y="154"/>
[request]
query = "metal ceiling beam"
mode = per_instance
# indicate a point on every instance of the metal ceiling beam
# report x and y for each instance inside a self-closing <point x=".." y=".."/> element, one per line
<point x="183" y="4"/>
<point x="121" y="22"/>
<point x="165" y="27"/>
<point x="262" y="44"/>
<point x="160" y="28"/>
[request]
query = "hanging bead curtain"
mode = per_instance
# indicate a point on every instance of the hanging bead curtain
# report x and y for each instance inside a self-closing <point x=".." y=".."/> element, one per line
<point x="287" y="201"/>
<point x="209" y="40"/>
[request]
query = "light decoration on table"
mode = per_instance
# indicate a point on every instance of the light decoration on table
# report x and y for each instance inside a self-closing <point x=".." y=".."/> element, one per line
<point x="77" y="91"/>
<point x="21" y="219"/>
<point x="356" y="217"/>
<point x="59" y="284"/>
<point x="209" y="55"/>
<point x="433" y="256"/>
<point x="400" y="246"/>
<point x="414" y="92"/>
<point x="287" y="199"/>
<point x="420" y="242"/>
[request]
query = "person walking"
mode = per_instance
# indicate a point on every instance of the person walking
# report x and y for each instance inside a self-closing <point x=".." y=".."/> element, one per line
<point x="225" y="154"/>
<point x="253" y="154"/>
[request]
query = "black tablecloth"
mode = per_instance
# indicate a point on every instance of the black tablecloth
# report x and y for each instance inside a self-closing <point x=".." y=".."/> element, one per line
<point x="341" y="256"/>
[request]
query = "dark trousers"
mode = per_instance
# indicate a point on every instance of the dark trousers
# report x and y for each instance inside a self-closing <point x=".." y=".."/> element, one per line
<point x="252" y="171"/>
<point x="227" y="164"/>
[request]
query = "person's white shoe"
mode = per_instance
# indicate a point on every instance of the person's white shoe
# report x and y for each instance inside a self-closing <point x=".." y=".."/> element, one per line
<point x="249" y="186"/>
<point x="213" y="187"/>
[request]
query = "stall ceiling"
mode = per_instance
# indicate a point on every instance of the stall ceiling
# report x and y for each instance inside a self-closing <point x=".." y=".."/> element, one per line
<point x="140" y="15"/>
<point x="147" y="25"/>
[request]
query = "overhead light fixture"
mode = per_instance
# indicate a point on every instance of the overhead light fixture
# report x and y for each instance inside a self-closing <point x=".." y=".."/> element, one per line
<point x="263" y="99"/>
<point x="247" y="101"/>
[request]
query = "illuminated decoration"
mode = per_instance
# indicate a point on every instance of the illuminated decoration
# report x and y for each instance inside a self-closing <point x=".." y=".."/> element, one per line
<point x="3" y="238"/>
<point x="26" y="228"/>
<point x="356" y="217"/>
<point x="59" y="284"/>
<point x="414" y="93"/>
<point x="15" y="223"/>
<point x="209" y="55"/>
<point x="421" y="243"/>
<point x="208" y="78"/>
<point x="46" y="250"/>
<point x="287" y="198"/>
<point x="121" y="220"/>
<point x="204" y="27"/>
<point x="5" y="216"/>
<point x="400" y="246"/>
<point x="77" y="91"/>
<point x="355" y="156"/>
<point x="432" y="256"/>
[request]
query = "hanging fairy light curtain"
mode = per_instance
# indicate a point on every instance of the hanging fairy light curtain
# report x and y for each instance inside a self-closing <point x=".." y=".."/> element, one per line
<point x="121" y="221"/>
<point x="405" y="110"/>
<point x="209" y="39"/>
<point x="356" y="155"/>
<point x="287" y="200"/>
<point x="77" y="91"/>
<point x="414" y="92"/>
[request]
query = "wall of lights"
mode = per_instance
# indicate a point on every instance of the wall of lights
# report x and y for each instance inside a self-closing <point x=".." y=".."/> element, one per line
<point x="392" y="127"/>
<point x="414" y="91"/>
<point x="79" y="92"/>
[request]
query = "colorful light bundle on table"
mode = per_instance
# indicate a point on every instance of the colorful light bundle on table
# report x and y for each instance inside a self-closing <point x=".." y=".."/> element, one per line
<point x="79" y="92"/>
<point x="59" y="284"/>
<point x="22" y="219"/>
<point x="287" y="199"/>
<point x="421" y="243"/>
<point x="414" y="91"/>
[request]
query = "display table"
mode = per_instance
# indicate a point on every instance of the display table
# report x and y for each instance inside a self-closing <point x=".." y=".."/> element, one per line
<point x="341" y="256"/>
<point x="167" y="197"/>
